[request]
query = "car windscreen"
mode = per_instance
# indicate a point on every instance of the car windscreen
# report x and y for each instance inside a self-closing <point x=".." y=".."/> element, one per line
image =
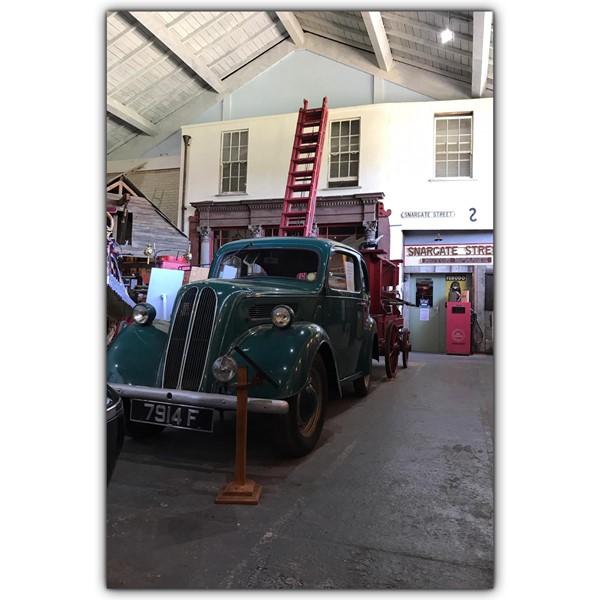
<point x="292" y="263"/>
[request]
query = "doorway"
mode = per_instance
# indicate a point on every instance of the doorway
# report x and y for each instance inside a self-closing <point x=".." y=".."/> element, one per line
<point x="428" y="320"/>
<point x="431" y="291"/>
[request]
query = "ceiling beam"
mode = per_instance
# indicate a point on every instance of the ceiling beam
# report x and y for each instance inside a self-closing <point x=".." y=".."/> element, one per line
<point x="413" y="78"/>
<point x="292" y="26"/>
<point x="130" y="117"/>
<point x="437" y="65"/>
<point x="220" y="16"/>
<point x="188" y="113"/>
<point x="249" y="57"/>
<point x="434" y="29"/>
<point x="482" y="34"/>
<point x="445" y="48"/>
<point x="158" y="29"/>
<point x="345" y="32"/>
<point x="230" y="32"/>
<point x="379" y="40"/>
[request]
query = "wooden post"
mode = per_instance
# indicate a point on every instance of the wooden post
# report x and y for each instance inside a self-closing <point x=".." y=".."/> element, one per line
<point x="240" y="490"/>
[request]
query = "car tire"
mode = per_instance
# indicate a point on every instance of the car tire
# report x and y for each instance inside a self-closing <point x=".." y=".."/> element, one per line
<point x="138" y="430"/>
<point x="362" y="384"/>
<point x="297" y="432"/>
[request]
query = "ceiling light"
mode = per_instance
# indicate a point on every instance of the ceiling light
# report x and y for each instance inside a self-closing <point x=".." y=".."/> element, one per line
<point x="447" y="36"/>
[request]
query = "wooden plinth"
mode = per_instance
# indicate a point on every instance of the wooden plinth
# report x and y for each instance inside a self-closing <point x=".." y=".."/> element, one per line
<point x="239" y="493"/>
<point x="240" y="490"/>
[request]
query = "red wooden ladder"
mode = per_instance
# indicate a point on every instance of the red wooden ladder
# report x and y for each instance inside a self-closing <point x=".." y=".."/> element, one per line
<point x="300" y="200"/>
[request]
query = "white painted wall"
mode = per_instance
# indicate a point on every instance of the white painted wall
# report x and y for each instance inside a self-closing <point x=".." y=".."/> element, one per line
<point x="396" y="158"/>
<point x="411" y="169"/>
<point x="281" y="89"/>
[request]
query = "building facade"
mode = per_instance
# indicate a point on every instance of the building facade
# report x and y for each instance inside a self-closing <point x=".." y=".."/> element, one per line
<point x="415" y="176"/>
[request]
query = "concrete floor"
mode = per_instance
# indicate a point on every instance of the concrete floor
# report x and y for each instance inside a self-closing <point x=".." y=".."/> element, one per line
<point x="397" y="495"/>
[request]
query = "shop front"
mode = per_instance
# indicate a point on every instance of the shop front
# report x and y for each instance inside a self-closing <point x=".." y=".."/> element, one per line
<point x="447" y="275"/>
<point x="349" y="218"/>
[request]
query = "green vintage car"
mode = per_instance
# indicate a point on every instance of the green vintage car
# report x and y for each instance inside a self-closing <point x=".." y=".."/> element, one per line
<point x="293" y="310"/>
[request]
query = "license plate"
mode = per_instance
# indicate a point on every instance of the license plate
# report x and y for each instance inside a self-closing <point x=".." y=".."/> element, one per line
<point x="173" y="415"/>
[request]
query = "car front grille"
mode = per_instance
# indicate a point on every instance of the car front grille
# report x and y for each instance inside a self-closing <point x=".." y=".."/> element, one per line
<point x="189" y="339"/>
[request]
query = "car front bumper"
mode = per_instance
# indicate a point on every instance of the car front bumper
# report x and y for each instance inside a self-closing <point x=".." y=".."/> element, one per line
<point x="198" y="399"/>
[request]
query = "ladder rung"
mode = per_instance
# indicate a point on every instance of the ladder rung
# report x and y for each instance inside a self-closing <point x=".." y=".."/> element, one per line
<point x="297" y="200"/>
<point x="300" y="194"/>
<point x="311" y="137"/>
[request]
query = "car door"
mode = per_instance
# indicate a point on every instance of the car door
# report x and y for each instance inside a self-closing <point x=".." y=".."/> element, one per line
<point x="346" y="309"/>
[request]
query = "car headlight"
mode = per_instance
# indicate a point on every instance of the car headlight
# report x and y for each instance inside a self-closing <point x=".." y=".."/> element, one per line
<point x="224" y="368"/>
<point x="144" y="313"/>
<point x="282" y="316"/>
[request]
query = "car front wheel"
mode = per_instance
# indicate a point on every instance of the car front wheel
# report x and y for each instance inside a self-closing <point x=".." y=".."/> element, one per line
<point x="297" y="432"/>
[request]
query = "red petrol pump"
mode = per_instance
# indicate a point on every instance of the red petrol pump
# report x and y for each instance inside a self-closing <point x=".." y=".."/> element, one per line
<point x="458" y="328"/>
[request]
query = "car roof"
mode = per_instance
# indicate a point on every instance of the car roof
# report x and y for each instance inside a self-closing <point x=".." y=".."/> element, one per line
<point x="286" y="242"/>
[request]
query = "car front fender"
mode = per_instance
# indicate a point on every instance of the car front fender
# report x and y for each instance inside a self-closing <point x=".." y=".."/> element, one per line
<point x="284" y="355"/>
<point x="134" y="355"/>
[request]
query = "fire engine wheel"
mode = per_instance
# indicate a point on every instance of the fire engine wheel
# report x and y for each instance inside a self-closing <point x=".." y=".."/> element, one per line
<point x="298" y="431"/>
<point x="393" y="343"/>
<point x="138" y="430"/>
<point x="405" y="347"/>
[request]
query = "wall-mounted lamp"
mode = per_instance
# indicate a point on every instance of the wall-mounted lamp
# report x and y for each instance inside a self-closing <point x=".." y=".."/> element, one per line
<point x="148" y="252"/>
<point x="439" y="238"/>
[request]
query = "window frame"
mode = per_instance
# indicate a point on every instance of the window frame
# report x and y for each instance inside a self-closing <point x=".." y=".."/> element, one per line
<point x="348" y="181"/>
<point x="446" y="152"/>
<point x="124" y="227"/>
<point x="357" y="280"/>
<point x="238" y="162"/>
